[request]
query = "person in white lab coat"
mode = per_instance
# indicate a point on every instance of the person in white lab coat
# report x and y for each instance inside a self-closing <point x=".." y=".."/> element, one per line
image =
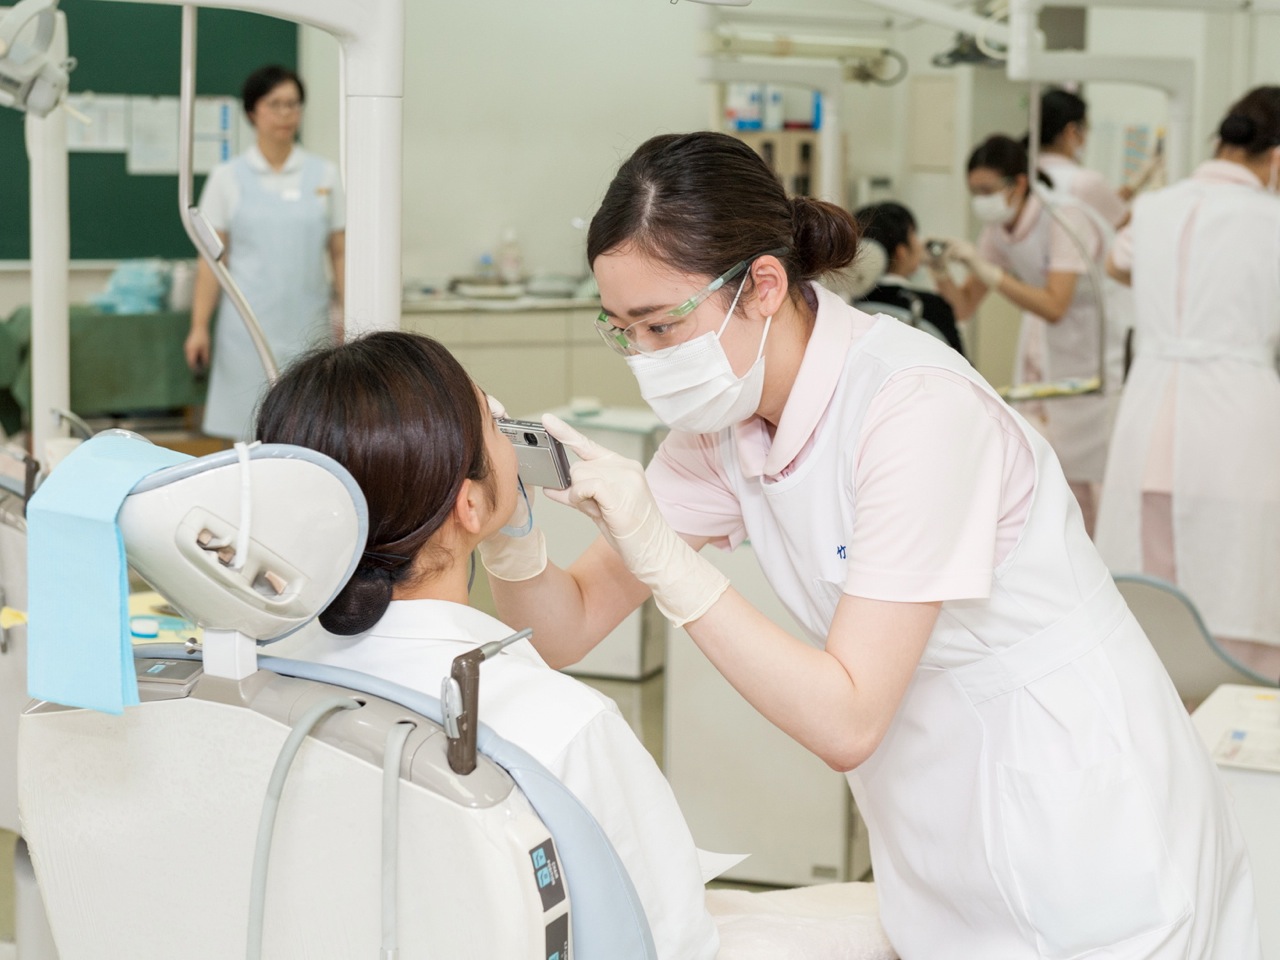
<point x="1192" y="493"/>
<point x="1031" y="783"/>
<point x="280" y="211"/>
<point x="399" y="412"/>
<point x="1040" y="262"/>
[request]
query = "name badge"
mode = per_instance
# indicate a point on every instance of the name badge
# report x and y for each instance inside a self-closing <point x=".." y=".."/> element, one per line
<point x="292" y="195"/>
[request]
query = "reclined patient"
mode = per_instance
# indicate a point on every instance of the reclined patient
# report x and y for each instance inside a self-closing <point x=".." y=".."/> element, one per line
<point x="400" y="413"/>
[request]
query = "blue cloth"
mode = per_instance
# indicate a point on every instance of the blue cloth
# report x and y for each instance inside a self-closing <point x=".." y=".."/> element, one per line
<point x="79" y="645"/>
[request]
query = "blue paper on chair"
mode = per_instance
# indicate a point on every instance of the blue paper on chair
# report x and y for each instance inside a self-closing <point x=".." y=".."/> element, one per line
<point x="79" y="648"/>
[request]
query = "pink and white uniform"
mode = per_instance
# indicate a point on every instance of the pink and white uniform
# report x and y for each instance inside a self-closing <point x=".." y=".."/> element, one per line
<point x="1041" y="792"/>
<point x="1078" y="428"/>
<point x="1199" y="421"/>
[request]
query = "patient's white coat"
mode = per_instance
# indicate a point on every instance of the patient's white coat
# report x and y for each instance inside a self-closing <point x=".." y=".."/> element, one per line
<point x="574" y="731"/>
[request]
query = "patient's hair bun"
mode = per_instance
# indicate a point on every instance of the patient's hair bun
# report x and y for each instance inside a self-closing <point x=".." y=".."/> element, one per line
<point x="360" y="604"/>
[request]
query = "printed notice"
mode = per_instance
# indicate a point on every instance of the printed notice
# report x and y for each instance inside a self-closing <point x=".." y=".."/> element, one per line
<point x="104" y="127"/>
<point x="1251" y="749"/>
<point x="154" y="133"/>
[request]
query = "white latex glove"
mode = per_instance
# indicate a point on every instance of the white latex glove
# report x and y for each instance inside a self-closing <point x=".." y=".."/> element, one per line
<point x="613" y="492"/>
<point x="962" y="251"/>
<point x="514" y="558"/>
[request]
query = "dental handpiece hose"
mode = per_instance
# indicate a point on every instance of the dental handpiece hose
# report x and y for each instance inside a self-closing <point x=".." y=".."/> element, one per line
<point x="466" y="674"/>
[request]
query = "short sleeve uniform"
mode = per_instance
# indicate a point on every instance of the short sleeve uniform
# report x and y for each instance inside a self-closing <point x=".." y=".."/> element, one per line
<point x="221" y="193"/>
<point x="942" y="475"/>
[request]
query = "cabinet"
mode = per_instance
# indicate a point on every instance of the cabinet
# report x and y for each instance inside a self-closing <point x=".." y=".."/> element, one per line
<point x="531" y="355"/>
<point x="794" y="155"/>
<point x="743" y="784"/>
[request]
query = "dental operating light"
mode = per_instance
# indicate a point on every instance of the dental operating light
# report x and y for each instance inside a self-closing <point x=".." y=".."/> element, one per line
<point x="32" y="77"/>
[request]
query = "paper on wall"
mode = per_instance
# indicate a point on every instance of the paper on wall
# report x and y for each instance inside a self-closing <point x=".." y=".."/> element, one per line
<point x="153" y="134"/>
<point x="108" y="128"/>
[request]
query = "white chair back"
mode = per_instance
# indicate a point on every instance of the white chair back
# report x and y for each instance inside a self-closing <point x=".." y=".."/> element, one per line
<point x="1196" y="663"/>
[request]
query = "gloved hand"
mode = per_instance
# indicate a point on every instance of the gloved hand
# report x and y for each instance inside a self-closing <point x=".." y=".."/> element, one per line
<point x="613" y="492"/>
<point x="514" y="558"/>
<point x="962" y="251"/>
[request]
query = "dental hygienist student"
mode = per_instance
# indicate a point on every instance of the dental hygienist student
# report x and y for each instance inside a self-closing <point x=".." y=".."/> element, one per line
<point x="1032" y="784"/>
<point x="280" y="211"/>
<point x="1193" y="480"/>
<point x="1029" y="257"/>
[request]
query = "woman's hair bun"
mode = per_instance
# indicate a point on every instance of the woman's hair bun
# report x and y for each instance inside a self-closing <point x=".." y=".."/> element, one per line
<point x="361" y="603"/>
<point x="1238" y="130"/>
<point x="825" y="236"/>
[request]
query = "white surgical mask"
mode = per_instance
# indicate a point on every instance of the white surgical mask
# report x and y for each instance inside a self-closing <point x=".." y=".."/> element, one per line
<point x="993" y="208"/>
<point x="692" y="386"/>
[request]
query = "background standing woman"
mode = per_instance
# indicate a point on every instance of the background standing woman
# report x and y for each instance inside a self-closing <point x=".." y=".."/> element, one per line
<point x="1064" y="128"/>
<point x="1193" y="484"/>
<point x="1031" y="783"/>
<point x="281" y="214"/>
<point x="1031" y="258"/>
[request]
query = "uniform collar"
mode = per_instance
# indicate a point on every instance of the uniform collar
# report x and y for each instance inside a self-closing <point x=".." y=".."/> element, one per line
<point x="292" y="163"/>
<point x="1027" y="219"/>
<point x="836" y="326"/>
<point x="439" y="620"/>
<point x="1224" y="171"/>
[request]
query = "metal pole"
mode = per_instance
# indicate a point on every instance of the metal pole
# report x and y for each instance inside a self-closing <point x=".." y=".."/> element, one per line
<point x="202" y="235"/>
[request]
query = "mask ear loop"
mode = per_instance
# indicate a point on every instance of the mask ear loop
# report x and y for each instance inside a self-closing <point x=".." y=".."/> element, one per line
<point x="733" y="306"/>
<point x="527" y="528"/>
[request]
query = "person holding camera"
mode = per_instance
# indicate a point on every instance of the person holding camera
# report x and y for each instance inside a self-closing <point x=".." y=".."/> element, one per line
<point x="422" y="441"/>
<point x="1037" y="250"/>
<point x="893" y="227"/>
<point x="1031" y="782"/>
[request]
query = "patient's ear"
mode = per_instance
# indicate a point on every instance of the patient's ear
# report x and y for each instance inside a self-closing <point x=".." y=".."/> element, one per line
<point x="472" y="508"/>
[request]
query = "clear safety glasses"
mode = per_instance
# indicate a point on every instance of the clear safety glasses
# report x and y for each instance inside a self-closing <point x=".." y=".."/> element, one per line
<point x="669" y="329"/>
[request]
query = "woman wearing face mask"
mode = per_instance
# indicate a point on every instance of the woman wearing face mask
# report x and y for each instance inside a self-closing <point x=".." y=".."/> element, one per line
<point x="1192" y="494"/>
<point x="1038" y="262"/>
<point x="1064" y="126"/>
<point x="1031" y="782"/>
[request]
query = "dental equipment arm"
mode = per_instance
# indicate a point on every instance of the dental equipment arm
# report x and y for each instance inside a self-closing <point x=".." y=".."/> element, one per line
<point x="202" y="234"/>
<point x="32" y="77"/>
<point x="460" y="700"/>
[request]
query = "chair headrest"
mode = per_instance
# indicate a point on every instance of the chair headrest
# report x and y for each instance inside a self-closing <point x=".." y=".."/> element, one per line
<point x="304" y="517"/>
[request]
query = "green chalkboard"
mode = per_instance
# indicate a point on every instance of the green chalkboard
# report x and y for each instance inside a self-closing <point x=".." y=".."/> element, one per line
<point x="133" y="48"/>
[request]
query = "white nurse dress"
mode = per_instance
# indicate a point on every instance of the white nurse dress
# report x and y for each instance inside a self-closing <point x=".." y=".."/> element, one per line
<point x="1040" y="793"/>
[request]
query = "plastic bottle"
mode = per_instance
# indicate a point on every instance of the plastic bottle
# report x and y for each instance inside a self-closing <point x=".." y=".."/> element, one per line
<point x="510" y="262"/>
<point x="486" y="272"/>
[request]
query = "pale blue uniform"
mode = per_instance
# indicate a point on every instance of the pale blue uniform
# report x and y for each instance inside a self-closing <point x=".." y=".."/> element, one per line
<point x="279" y="243"/>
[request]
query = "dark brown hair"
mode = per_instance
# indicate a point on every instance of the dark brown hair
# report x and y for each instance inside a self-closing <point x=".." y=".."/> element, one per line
<point x="703" y="202"/>
<point x="399" y="412"/>
<point x="1253" y="122"/>
<point x="1005" y="156"/>
<point x="265" y="79"/>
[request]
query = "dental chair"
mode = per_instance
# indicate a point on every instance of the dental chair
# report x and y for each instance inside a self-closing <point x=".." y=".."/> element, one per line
<point x="149" y="831"/>
<point x="261" y="806"/>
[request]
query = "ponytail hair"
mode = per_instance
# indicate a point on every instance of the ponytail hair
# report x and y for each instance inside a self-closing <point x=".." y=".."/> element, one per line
<point x="703" y="202"/>
<point x="1005" y="156"/>
<point x="1058" y="110"/>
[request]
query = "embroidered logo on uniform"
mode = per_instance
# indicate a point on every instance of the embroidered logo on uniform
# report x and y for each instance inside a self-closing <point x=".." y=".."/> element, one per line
<point x="323" y="191"/>
<point x="840" y="551"/>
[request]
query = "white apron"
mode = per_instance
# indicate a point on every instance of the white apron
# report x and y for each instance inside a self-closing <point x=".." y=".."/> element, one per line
<point x="1041" y="793"/>
<point x="1206" y="278"/>
<point x="1078" y="428"/>
<point x="278" y="249"/>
